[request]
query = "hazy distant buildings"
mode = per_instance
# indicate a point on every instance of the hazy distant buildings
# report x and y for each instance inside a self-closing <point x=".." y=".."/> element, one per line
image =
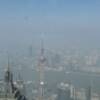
<point x="56" y="61"/>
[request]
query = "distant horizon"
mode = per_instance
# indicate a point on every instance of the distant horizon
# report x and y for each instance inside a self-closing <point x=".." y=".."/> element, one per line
<point x="65" y="22"/>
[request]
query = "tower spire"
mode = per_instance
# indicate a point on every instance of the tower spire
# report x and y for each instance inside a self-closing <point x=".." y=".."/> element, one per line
<point x="42" y="47"/>
<point x="8" y="64"/>
<point x="42" y="58"/>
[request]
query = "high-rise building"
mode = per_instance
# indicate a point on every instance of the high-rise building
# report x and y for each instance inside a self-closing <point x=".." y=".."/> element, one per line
<point x="88" y="93"/>
<point x="63" y="92"/>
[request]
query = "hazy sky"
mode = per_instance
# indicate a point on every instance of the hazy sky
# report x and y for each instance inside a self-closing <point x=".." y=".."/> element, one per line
<point x="66" y="21"/>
